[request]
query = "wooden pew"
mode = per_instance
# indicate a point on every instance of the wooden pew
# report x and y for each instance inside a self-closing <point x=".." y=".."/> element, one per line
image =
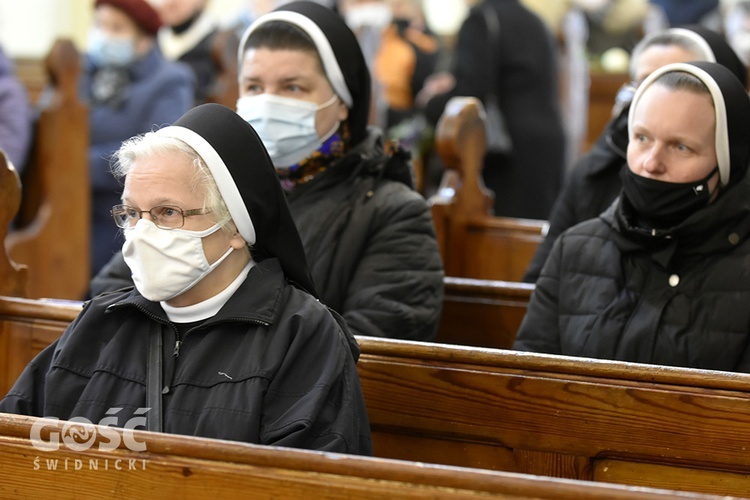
<point x="482" y="313"/>
<point x="473" y="243"/>
<point x="52" y="238"/>
<point x="186" y="467"/>
<point x="13" y="277"/>
<point x="577" y="418"/>
<point x="572" y="418"/>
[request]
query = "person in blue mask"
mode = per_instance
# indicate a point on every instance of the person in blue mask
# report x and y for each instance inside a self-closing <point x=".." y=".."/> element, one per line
<point x="130" y="88"/>
<point x="662" y="276"/>
<point x="367" y="234"/>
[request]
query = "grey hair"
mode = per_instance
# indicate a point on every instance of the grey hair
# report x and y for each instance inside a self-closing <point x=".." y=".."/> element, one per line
<point x="150" y="144"/>
<point x="668" y="38"/>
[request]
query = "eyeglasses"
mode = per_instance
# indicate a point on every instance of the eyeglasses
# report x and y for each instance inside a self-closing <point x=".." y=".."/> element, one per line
<point x="163" y="216"/>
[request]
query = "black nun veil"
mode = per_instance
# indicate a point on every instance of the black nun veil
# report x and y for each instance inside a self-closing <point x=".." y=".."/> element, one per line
<point x="346" y="61"/>
<point x="248" y="183"/>
<point x="732" y="110"/>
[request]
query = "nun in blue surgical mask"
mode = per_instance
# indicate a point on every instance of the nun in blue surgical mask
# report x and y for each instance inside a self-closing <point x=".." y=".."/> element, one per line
<point x="662" y="276"/>
<point x="305" y="87"/>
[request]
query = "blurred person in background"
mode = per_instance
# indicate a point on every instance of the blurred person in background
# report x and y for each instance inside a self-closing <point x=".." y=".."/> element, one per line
<point x="524" y="68"/>
<point x="187" y="36"/>
<point x="130" y="88"/>
<point x="15" y="115"/>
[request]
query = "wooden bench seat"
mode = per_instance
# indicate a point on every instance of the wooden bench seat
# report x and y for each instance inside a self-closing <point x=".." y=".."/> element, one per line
<point x="195" y="468"/>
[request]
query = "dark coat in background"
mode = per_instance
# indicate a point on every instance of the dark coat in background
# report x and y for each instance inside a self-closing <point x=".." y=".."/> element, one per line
<point x="589" y="190"/>
<point x="605" y="293"/>
<point x="370" y="244"/>
<point x="527" y="181"/>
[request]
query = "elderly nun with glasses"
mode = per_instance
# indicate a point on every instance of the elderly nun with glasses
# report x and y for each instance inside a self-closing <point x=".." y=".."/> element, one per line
<point x="223" y="335"/>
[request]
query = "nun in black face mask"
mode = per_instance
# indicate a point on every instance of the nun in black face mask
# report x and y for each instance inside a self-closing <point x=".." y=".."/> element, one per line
<point x="685" y="156"/>
<point x="661" y="277"/>
<point x="595" y="181"/>
<point x="222" y="335"/>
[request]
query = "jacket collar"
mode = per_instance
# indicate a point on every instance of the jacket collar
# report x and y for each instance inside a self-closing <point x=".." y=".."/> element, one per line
<point x="719" y="227"/>
<point x="256" y="300"/>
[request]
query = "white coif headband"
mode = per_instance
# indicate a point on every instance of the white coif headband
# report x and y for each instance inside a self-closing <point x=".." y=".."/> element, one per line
<point x="722" y="133"/>
<point x="221" y="174"/>
<point x="708" y="53"/>
<point x="330" y="64"/>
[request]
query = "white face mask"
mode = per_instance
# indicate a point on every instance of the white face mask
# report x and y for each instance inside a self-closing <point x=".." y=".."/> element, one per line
<point x="167" y="262"/>
<point x="286" y="126"/>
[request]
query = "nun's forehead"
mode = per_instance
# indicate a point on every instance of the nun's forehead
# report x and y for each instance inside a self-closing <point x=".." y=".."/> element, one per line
<point x="704" y="72"/>
<point x="326" y="53"/>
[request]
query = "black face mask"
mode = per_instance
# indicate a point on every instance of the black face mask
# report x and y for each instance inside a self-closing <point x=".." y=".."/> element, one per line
<point x="664" y="204"/>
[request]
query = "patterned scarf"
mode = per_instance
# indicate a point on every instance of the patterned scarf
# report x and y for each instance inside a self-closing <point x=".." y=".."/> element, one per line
<point x="334" y="148"/>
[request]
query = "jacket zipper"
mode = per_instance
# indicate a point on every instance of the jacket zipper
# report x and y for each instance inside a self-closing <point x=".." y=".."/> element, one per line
<point x="179" y="341"/>
<point x="167" y="382"/>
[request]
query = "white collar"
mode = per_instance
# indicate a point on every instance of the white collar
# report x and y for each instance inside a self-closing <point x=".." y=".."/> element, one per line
<point x="209" y="307"/>
<point x="174" y="45"/>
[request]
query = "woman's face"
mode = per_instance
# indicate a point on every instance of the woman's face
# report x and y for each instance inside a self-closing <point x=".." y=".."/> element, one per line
<point x="673" y="136"/>
<point x="116" y="24"/>
<point x="294" y="74"/>
<point x="168" y="179"/>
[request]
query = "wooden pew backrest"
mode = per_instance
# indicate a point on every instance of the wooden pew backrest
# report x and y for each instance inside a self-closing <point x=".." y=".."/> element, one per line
<point x="53" y="240"/>
<point x="195" y="468"/>
<point x="517" y="412"/>
<point x="13" y="277"/>
<point x="473" y="243"/>
<point x="225" y="89"/>
<point x="26" y="327"/>
<point x="577" y="418"/>
<point x="482" y="313"/>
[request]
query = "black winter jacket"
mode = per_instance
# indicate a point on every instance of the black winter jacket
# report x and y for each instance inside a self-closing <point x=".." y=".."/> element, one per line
<point x="370" y="245"/>
<point x="612" y="290"/>
<point x="274" y="368"/>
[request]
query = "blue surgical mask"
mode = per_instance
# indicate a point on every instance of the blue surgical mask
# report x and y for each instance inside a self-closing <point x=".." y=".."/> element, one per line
<point x="286" y="126"/>
<point x="105" y="50"/>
